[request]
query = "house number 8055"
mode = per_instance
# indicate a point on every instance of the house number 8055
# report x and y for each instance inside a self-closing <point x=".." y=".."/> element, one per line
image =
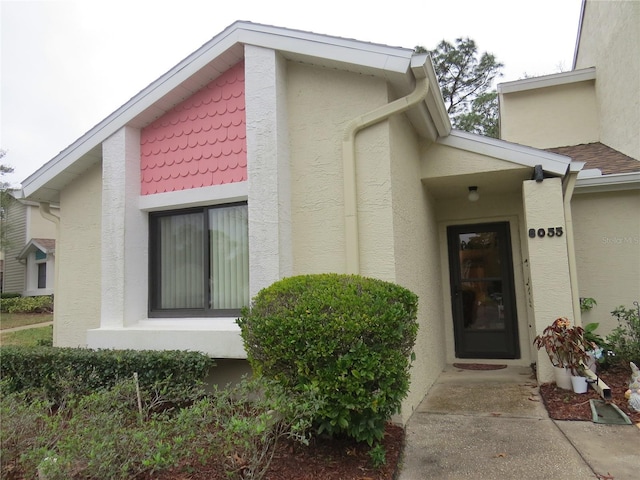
<point x="549" y="232"/>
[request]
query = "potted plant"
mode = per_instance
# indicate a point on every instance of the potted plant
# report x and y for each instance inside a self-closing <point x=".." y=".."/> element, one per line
<point x="567" y="349"/>
<point x="596" y="345"/>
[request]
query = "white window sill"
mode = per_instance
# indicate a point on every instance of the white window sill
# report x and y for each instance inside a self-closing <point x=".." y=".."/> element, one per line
<point x="216" y="337"/>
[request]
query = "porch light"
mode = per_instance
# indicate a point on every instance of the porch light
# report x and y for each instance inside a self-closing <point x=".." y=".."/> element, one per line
<point x="473" y="194"/>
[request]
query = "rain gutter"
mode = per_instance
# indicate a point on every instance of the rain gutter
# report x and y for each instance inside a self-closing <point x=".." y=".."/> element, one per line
<point x="352" y="243"/>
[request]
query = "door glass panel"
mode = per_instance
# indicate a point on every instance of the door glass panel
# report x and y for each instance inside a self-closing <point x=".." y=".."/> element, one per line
<point x="481" y="281"/>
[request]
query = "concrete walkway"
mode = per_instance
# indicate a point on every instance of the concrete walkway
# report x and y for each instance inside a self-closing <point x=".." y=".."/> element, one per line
<point x="493" y="425"/>
<point x="26" y="327"/>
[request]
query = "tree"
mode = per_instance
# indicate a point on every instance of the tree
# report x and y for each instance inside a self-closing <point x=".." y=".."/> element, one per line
<point x="465" y="79"/>
<point x="5" y="198"/>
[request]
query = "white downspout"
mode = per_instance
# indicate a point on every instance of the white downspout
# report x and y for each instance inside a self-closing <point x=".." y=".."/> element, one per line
<point x="571" y="250"/>
<point x="45" y="212"/>
<point x="352" y="244"/>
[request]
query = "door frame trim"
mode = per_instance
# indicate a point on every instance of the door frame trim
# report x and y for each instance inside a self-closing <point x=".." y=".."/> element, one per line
<point x="504" y="227"/>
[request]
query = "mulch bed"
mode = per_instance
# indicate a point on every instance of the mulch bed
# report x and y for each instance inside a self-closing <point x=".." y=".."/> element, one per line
<point x="566" y="405"/>
<point x="343" y="459"/>
<point x="324" y="459"/>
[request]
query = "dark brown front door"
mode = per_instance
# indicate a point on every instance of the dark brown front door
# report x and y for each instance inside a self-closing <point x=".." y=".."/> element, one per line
<point x="482" y="297"/>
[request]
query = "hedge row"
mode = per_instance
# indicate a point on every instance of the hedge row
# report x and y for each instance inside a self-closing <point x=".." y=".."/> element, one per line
<point x="38" y="304"/>
<point x="4" y="295"/>
<point x="60" y="371"/>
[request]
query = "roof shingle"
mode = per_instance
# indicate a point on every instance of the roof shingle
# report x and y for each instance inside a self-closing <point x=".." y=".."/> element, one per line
<point x="598" y="155"/>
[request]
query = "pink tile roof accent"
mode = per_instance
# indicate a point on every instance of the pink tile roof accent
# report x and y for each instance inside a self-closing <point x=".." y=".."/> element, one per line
<point x="199" y="143"/>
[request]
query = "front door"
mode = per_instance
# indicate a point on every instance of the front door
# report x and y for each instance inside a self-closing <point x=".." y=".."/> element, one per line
<point x="482" y="297"/>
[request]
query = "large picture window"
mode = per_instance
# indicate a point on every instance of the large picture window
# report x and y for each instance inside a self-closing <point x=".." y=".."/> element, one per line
<point x="199" y="261"/>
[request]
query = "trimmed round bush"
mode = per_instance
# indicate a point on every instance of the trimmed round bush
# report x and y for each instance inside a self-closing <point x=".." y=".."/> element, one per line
<point x="346" y="336"/>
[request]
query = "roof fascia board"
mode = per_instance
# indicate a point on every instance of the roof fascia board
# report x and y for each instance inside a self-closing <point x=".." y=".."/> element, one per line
<point x="380" y="57"/>
<point x="33" y="244"/>
<point x="127" y="112"/>
<point x="553" y="80"/>
<point x="580" y="22"/>
<point x="608" y="183"/>
<point x="435" y="103"/>
<point x="530" y="157"/>
<point x="390" y="59"/>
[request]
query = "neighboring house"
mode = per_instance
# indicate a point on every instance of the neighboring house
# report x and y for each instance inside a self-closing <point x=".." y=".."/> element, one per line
<point x="592" y="114"/>
<point x="272" y="152"/>
<point x="29" y="256"/>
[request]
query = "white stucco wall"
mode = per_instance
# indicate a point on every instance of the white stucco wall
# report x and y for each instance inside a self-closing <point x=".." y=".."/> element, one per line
<point x="607" y="241"/>
<point x="125" y="322"/>
<point x="78" y="256"/>
<point x="270" y="249"/>
<point x="553" y="116"/>
<point x="610" y="41"/>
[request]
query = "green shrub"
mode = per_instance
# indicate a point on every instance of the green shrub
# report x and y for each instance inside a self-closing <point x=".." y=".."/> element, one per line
<point x="40" y="304"/>
<point x="24" y="428"/>
<point x="100" y="435"/>
<point x="4" y="295"/>
<point x="252" y="417"/>
<point x="347" y="336"/>
<point x="59" y="371"/>
<point x="624" y="340"/>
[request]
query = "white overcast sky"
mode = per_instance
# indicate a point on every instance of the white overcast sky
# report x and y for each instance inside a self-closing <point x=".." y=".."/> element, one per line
<point x="67" y="64"/>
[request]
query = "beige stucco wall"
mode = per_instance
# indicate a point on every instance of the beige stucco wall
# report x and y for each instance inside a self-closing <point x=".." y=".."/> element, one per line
<point x="397" y="229"/>
<point x="549" y="293"/>
<point x="607" y="241"/>
<point x="610" y="41"/>
<point x="553" y="116"/>
<point x="489" y="208"/>
<point x="38" y="226"/>
<point x="78" y="260"/>
<point x="320" y="104"/>
<point x="417" y="264"/>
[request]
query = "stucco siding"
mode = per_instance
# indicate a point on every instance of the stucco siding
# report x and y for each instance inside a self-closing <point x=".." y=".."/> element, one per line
<point x="320" y="104"/>
<point x="416" y="257"/>
<point x="548" y="261"/>
<point x="78" y="255"/>
<point x="607" y="243"/>
<point x="610" y="41"/>
<point x="550" y="117"/>
<point x="38" y="226"/>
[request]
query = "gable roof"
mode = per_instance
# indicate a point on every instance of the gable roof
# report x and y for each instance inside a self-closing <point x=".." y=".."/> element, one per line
<point x="45" y="245"/>
<point x="600" y="156"/>
<point x="554" y="163"/>
<point x="215" y="57"/>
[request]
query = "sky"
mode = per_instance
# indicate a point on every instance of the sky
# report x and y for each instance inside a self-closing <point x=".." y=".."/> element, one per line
<point x="67" y="64"/>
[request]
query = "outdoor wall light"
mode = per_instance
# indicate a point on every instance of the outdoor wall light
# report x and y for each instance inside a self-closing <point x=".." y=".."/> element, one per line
<point x="473" y="194"/>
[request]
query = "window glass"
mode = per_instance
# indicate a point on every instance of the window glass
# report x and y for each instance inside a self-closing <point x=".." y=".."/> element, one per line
<point x="199" y="261"/>
<point x="42" y="275"/>
<point x="181" y="261"/>
<point x="229" y="257"/>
